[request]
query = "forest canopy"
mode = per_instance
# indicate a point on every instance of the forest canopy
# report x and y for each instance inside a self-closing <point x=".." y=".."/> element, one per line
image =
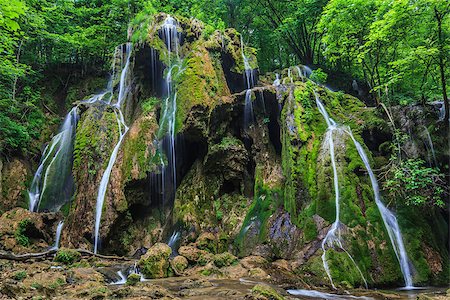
<point x="399" y="50"/>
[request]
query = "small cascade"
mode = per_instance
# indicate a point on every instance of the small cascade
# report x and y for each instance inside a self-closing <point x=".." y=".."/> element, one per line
<point x="167" y="127"/>
<point x="321" y="295"/>
<point x="290" y="75"/>
<point x="58" y="235"/>
<point x="389" y="219"/>
<point x="123" y="129"/>
<point x="123" y="89"/>
<point x="249" y="78"/>
<point x="307" y="70"/>
<point x="333" y="236"/>
<point x="173" y="242"/>
<point x="122" y="279"/>
<point x="248" y="108"/>
<point x="277" y="80"/>
<point x="299" y="72"/>
<point x="439" y="105"/>
<point x="52" y="185"/>
<point x="429" y="143"/>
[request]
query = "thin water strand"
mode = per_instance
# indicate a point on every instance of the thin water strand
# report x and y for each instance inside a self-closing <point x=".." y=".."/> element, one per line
<point x="122" y="130"/>
<point x="389" y="219"/>
<point x="333" y="236"/>
<point x="58" y="235"/>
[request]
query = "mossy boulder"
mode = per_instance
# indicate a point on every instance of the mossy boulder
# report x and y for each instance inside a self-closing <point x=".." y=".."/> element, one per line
<point x="264" y="291"/>
<point x="179" y="264"/>
<point x="155" y="263"/>
<point x="207" y="241"/>
<point x="192" y="253"/>
<point x="133" y="279"/>
<point x="67" y="256"/>
<point x="224" y="259"/>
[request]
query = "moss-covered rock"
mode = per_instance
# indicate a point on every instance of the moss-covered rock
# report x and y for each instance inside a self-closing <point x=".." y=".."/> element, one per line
<point x="133" y="279"/>
<point x="179" y="264"/>
<point x="155" y="263"/>
<point x="267" y="292"/>
<point x="224" y="259"/>
<point x="67" y="256"/>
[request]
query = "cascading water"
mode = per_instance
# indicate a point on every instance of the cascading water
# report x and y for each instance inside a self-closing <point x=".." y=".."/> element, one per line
<point x="58" y="235"/>
<point x="167" y="127"/>
<point x="277" y="80"/>
<point x="429" y="143"/>
<point x="249" y="78"/>
<point x="300" y="73"/>
<point x="123" y="129"/>
<point x="52" y="185"/>
<point x="333" y="236"/>
<point x="389" y="219"/>
<point x="173" y="241"/>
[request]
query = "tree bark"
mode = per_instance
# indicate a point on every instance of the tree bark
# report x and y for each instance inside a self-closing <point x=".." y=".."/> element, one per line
<point x="439" y="16"/>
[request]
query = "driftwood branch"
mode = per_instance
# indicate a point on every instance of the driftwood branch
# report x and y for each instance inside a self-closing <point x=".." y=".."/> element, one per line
<point x="51" y="252"/>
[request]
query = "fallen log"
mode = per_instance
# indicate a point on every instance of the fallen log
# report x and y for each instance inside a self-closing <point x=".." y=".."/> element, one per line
<point x="52" y="252"/>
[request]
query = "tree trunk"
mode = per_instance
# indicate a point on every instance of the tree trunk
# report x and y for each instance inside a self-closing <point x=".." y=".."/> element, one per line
<point x="439" y="16"/>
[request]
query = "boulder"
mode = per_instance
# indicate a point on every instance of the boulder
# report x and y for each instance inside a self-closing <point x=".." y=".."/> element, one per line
<point x="155" y="263"/>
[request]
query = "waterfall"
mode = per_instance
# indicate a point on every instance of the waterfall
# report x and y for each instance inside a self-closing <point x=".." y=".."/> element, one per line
<point x="300" y="73"/>
<point x="333" y="236"/>
<point x="52" y="185"/>
<point x="429" y="142"/>
<point x="308" y="71"/>
<point x="248" y="108"/>
<point x="167" y="127"/>
<point x="58" y="235"/>
<point x="277" y="80"/>
<point x="123" y="129"/>
<point x="173" y="241"/>
<point x="122" y="279"/>
<point x="389" y="219"/>
<point x="290" y="75"/>
<point x="249" y="79"/>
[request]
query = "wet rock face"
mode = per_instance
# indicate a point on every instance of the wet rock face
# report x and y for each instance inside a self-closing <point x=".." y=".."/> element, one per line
<point x="284" y="237"/>
<point x="13" y="175"/>
<point x="23" y="231"/>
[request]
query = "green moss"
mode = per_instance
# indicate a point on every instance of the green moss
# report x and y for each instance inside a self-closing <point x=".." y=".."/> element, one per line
<point x="155" y="263"/>
<point x="266" y="291"/>
<point x="67" y="256"/>
<point x="20" y="275"/>
<point x="20" y="236"/>
<point x="266" y="201"/>
<point x="224" y="259"/>
<point x="133" y="279"/>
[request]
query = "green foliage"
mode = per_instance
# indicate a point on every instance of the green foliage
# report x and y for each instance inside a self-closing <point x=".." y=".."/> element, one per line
<point x="20" y="236"/>
<point x="319" y="76"/>
<point x="67" y="256"/>
<point x="20" y="275"/>
<point x="395" y="46"/>
<point x="149" y="104"/>
<point x="416" y="183"/>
